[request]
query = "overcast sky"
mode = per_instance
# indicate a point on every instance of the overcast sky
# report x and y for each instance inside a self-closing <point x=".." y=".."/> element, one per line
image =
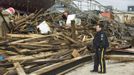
<point x="119" y="4"/>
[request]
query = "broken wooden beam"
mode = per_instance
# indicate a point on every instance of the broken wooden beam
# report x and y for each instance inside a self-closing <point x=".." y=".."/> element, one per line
<point x="19" y="68"/>
<point x="32" y="45"/>
<point x="43" y="61"/>
<point x="70" y="39"/>
<point x="75" y="53"/>
<point x="30" y="39"/>
<point x="120" y="57"/>
<point x="38" y="50"/>
<point x="31" y="57"/>
<point x="36" y="56"/>
<point x="24" y="35"/>
<point x="73" y="29"/>
<point x="24" y="19"/>
<point x="49" y="70"/>
<point x="128" y="50"/>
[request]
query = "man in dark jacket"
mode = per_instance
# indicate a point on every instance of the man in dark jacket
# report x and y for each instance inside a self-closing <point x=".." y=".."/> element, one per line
<point x="100" y="43"/>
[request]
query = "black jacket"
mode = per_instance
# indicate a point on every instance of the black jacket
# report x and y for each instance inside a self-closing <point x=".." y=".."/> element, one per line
<point x="100" y="40"/>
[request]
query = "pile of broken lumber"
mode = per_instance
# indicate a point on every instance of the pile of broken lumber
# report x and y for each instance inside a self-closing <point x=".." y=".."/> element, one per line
<point x="32" y="53"/>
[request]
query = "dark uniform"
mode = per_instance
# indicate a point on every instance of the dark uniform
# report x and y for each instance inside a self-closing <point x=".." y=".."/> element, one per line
<point x="100" y="43"/>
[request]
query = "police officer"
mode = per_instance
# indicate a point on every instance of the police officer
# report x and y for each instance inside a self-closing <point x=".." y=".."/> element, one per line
<point x="100" y="43"/>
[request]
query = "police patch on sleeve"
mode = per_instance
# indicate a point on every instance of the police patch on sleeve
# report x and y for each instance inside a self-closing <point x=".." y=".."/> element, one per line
<point x="102" y="36"/>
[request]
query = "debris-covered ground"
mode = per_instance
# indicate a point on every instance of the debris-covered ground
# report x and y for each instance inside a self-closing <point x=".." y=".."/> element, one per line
<point x="113" y="68"/>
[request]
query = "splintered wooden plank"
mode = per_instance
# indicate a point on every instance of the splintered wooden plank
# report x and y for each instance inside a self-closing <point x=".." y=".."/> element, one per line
<point x="19" y="68"/>
<point x="32" y="44"/>
<point x="131" y="50"/>
<point x="36" y="56"/>
<point x="31" y="57"/>
<point x="30" y="39"/>
<point x="24" y="19"/>
<point x="120" y="57"/>
<point x="73" y="29"/>
<point x="75" y="53"/>
<point x="57" y="65"/>
<point x="70" y="39"/>
<point x="24" y="35"/>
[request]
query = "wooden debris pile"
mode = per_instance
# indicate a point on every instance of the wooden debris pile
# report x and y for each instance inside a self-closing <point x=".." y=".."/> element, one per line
<point x="34" y="53"/>
<point x="28" y="52"/>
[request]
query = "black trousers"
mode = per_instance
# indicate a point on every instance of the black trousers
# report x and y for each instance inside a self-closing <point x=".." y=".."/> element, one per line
<point x="99" y="59"/>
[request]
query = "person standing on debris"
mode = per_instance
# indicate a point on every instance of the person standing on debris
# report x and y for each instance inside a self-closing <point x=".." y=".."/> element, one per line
<point x="64" y="16"/>
<point x="100" y="43"/>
